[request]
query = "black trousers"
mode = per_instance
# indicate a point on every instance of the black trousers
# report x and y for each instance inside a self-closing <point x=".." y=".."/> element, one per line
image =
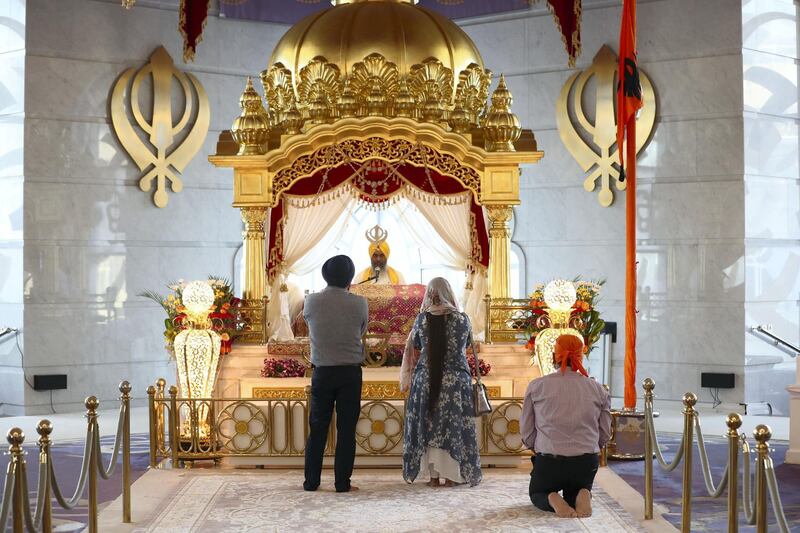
<point x="339" y="387"/>
<point x="554" y="473"/>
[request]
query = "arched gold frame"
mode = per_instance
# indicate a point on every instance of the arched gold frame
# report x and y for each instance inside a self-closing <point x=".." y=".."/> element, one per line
<point x="259" y="179"/>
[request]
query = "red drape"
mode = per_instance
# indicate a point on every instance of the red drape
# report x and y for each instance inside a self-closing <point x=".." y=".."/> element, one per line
<point x="629" y="100"/>
<point x="567" y="14"/>
<point x="432" y="183"/>
<point x="194" y="14"/>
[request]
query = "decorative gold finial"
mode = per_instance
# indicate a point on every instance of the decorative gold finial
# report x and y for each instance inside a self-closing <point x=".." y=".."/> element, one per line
<point x="734" y="422"/>
<point x="689" y="400"/>
<point x="15" y="438"/>
<point x="348" y="104"/>
<point x="251" y="128"/>
<point x="173" y="390"/>
<point x="161" y="383"/>
<point x="762" y="433"/>
<point x="459" y="120"/>
<point x="44" y="428"/>
<point x="91" y="403"/>
<point x="502" y="126"/>
<point x="125" y="388"/>
<point x="648" y="384"/>
<point x="293" y="121"/>
<point x="404" y="102"/>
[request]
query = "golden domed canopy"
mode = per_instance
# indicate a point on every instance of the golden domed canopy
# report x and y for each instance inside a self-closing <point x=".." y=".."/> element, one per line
<point x="401" y="32"/>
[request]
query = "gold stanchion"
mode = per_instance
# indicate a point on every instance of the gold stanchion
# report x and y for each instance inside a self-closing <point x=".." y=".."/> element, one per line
<point x="648" y="385"/>
<point x="161" y="385"/>
<point x="174" y="424"/>
<point x="92" y="403"/>
<point x="689" y="401"/>
<point x="762" y="434"/>
<point x="487" y="335"/>
<point x="151" y="417"/>
<point x="44" y="428"/>
<point x="734" y="422"/>
<point x="125" y="399"/>
<point x="15" y="438"/>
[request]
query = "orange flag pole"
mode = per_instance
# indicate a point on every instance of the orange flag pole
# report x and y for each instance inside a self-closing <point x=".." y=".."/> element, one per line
<point x="630" y="267"/>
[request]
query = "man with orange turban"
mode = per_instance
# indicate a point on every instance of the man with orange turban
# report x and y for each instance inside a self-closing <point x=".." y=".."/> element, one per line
<point x="566" y="421"/>
<point x="378" y="271"/>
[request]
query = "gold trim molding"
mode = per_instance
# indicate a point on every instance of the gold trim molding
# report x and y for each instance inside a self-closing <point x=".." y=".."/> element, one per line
<point x="370" y="390"/>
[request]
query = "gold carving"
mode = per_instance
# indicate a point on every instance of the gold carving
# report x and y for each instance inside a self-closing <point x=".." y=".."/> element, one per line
<point x="279" y="91"/>
<point x="163" y="153"/>
<point x="499" y="250"/>
<point x="289" y="393"/>
<point x="431" y="85"/>
<point x="375" y="81"/>
<point x="593" y="145"/>
<point x="472" y="92"/>
<point x="502" y="126"/>
<point x="319" y="88"/>
<point x="251" y="128"/>
<point x="360" y="151"/>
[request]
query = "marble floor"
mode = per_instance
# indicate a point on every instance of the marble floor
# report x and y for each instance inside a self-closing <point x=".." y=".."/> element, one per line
<point x="273" y="500"/>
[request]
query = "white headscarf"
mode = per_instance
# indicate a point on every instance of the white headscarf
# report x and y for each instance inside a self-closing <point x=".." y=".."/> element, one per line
<point x="439" y="298"/>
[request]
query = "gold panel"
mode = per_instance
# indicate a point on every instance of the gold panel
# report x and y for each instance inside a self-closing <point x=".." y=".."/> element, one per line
<point x="593" y="145"/>
<point x="288" y="393"/>
<point x="250" y="184"/>
<point x="160" y="147"/>
<point x="500" y="185"/>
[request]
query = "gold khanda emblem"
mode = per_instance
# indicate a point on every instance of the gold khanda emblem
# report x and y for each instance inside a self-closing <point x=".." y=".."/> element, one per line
<point x="593" y="145"/>
<point x="165" y="147"/>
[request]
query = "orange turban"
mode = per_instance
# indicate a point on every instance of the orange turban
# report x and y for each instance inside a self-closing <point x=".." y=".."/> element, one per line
<point x="382" y="246"/>
<point x="569" y="351"/>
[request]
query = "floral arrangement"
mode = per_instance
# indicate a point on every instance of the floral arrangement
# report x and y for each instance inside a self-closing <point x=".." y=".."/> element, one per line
<point x="583" y="317"/>
<point x="283" y="368"/>
<point x="223" y="315"/>
<point x="484" y="367"/>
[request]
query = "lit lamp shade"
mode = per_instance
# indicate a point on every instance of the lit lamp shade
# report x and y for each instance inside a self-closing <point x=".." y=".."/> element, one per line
<point x="197" y="356"/>
<point x="197" y="297"/>
<point x="560" y="296"/>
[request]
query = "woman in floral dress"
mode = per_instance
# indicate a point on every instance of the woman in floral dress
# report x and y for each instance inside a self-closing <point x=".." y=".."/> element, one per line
<point x="439" y="432"/>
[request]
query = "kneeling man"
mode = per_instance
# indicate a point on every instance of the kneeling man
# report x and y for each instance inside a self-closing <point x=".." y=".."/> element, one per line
<point x="337" y="321"/>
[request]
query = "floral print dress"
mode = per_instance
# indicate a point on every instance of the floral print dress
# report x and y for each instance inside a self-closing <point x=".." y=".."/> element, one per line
<point x="451" y="426"/>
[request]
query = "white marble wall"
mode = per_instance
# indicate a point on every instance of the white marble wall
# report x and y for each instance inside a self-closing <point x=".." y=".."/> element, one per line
<point x="772" y="195"/>
<point x="691" y="193"/>
<point x="12" y="103"/>
<point x="93" y="240"/>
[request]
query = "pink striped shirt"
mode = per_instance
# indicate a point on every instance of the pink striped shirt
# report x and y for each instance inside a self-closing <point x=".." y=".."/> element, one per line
<point x="566" y="414"/>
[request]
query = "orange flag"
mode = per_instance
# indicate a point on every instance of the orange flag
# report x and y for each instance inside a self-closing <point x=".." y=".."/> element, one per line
<point x="629" y="100"/>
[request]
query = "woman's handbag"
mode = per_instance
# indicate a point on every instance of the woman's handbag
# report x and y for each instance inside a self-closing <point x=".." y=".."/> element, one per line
<point x="480" y="396"/>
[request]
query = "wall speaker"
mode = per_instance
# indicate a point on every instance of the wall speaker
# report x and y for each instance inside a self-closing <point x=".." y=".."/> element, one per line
<point x="49" y="381"/>
<point x="714" y="380"/>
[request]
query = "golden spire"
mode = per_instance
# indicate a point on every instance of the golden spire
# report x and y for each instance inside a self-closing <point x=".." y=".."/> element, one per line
<point x="251" y="128"/>
<point x="502" y="126"/>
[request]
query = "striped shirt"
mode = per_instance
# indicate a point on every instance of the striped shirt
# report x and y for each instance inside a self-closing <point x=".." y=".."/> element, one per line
<point x="566" y="414"/>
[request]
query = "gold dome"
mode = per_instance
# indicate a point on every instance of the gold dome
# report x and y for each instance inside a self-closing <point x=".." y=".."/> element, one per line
<point x="401" y="32"/>
<point x="376" y="58"/>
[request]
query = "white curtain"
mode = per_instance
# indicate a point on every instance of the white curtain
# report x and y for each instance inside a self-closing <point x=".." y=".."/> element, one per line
<point x="451" y="223"/>
<point x="309" y="234"/>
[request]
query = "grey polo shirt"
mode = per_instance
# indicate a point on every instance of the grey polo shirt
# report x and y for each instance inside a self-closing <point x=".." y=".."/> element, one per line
<point x="337" y="320"/>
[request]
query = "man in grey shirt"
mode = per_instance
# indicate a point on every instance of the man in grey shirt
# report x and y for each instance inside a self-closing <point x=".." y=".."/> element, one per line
<point x="337" y="321"/>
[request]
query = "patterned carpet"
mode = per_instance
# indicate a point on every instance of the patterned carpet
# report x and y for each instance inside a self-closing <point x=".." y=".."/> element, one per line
<point x="709" y="514"/>
<point x="244" y="501"/>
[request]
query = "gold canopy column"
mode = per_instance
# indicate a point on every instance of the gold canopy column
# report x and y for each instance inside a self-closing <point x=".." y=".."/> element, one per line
<point x="499" y="251"/>
<point x="500" y="187"/>
<point x="254" y="267"/>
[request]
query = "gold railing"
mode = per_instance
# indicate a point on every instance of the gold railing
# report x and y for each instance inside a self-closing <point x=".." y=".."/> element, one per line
<point x="216" y="428"/>
<point x="16" y="495"/>
<point x="753" y="503"/>
<point x="506" y="319"/>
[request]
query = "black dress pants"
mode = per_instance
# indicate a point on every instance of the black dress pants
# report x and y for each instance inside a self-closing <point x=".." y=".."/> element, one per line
<point x="332" y="387"/>
<point x="554" y="473"/>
